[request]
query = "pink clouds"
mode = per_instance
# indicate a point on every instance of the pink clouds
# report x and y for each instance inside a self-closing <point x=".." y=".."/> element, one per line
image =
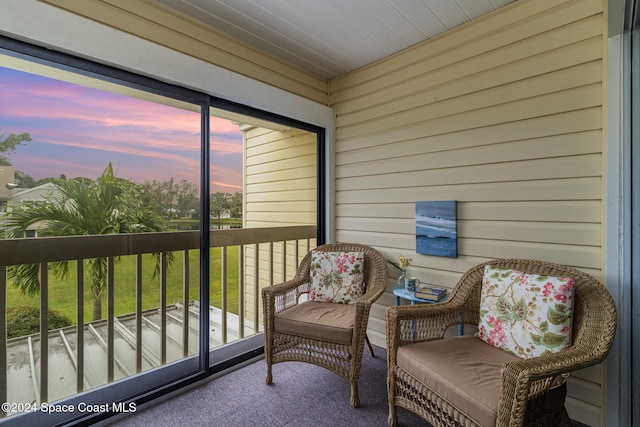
<point x="76" y="130"/>
<point x="226" y="187"/>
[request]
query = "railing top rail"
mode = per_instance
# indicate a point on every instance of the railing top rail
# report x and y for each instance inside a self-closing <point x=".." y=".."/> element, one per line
<point x="52" y="249"/>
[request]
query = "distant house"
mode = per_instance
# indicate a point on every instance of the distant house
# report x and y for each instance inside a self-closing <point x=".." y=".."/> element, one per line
<point x="12" y="196"/>
<point x="41" y="192"/>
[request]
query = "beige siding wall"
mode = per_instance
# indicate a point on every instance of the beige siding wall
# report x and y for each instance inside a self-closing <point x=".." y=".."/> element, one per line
<point x="280" y="177"/>
<point x="151" y="21"/>
<point x="504" y="115"/>
<point x="280" y="190"/>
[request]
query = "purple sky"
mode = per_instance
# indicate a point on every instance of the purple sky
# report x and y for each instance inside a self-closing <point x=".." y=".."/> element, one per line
<point x="77" y="131"/>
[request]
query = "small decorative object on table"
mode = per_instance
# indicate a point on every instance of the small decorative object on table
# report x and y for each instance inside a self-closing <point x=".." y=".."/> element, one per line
<point x="403" y="280"/>
<point x="411" y="284"/>
<point x="431" y="293"/>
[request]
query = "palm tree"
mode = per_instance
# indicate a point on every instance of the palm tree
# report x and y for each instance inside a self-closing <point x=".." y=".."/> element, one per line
<point x="108" y="205"/>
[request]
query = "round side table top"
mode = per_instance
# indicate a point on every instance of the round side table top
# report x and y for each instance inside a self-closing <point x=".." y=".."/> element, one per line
<point x="399" y="292"/>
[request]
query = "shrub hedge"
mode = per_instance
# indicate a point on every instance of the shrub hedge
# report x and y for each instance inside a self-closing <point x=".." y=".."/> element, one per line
<point x="23" y="321"/>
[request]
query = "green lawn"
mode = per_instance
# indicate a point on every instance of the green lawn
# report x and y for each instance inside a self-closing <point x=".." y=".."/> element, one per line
<point x="62" y="292"/>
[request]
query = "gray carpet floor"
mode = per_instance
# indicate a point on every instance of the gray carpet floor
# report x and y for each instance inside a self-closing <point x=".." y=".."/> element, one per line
<point x="301" y="395"/>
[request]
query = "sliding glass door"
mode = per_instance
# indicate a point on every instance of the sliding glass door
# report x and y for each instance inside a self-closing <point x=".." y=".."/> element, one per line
<point x="98" y="284"/>
<point x="263" y="205"/>
<point x="139" y="222"/>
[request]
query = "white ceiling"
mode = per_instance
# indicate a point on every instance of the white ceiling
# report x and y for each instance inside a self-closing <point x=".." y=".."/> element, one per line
<point x="332" y="37"/>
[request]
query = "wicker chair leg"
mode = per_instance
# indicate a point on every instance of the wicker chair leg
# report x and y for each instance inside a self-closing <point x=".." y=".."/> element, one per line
<point x="366" y="338"/>
<point x="269" y="376"/>
<point x="393" y="416"/>
<point x="355" y="399"/>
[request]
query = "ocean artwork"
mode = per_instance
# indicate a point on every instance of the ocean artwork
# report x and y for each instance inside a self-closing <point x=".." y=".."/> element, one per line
<point x="436" y="231"/>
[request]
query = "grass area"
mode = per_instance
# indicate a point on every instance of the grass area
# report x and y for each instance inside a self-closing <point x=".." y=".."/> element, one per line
<point x="63" y="292"/>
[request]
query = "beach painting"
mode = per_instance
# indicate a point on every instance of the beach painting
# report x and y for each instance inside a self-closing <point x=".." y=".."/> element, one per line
<point x="436" y="229"/>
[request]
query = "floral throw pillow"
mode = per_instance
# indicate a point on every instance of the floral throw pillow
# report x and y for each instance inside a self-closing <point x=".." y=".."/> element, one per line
<point x="525" y="314"/>
<point x="336" y="276"/>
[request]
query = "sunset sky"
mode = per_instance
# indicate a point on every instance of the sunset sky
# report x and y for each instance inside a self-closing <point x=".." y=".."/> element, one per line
<point x="77" y="131"/>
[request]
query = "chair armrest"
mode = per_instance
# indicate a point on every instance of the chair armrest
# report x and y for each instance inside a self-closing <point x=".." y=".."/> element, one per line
<point x="525" y="378"/>
<point x="284" y="295"/>
<point x="370" y="296"/>
<point x="423" y="322"/>
<point x="277" y="298"/>
<point x="552" y="364"/>
<point x="414" y="323"/>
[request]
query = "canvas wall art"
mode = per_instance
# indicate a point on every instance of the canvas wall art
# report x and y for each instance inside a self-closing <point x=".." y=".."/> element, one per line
<point x="436" y="228"/>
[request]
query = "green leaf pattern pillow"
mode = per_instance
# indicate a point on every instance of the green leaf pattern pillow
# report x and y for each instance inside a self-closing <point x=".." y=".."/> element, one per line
<point x="525" y="314"/>
<point x="336" y="276"/>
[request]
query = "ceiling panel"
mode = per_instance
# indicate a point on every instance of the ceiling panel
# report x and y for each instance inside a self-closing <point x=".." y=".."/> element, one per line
<point x="426" y="22"/>
<point x="332" y="37"/>
<point x="475" y="7"/>
<point x="449" y="13"/>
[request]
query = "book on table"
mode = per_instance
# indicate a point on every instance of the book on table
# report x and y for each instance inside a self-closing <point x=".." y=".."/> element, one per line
<point x="431" y="293"/>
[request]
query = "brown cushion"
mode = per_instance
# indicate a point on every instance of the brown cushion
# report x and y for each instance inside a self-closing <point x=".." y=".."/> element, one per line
<point x="465" y="371"/>
<point x="318" y="320"/>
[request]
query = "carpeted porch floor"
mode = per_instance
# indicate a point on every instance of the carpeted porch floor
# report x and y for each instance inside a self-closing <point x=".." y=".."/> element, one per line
<point x="301" y="395"/>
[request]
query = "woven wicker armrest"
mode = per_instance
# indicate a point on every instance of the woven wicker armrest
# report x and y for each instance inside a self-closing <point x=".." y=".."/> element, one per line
<point x="422" y="322"/>
<point x="284" y="295"/>
<point x="527" y="378"/>
<point x="550" y="365"/>
<point x="524" y="379"/>
<point x="371" y="295"/>
<point x="421" y="311"/>
<point x="298" y="284"/>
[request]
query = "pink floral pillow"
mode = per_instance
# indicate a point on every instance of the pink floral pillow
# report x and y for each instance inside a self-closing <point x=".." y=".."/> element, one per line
<point x="525" y="314"/>
<point x="336" y="276"/>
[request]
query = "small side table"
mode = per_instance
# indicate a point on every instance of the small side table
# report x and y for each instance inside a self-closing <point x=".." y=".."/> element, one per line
<point x="400" y="293"/>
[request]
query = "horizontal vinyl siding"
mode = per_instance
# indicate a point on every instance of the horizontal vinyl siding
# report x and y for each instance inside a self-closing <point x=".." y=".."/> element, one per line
<point x="280" y="178"/>
<point x="280" y="190"/>
<point x="151" y="21"/>
<point x="504" y="115"/>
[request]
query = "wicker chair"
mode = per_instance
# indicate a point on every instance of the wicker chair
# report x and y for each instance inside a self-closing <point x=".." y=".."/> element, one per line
<point x="339" y="355"/>
<point x="526" y="390"/>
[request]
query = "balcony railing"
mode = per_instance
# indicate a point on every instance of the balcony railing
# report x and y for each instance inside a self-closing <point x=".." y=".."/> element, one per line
<point x="264" y="254"/>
